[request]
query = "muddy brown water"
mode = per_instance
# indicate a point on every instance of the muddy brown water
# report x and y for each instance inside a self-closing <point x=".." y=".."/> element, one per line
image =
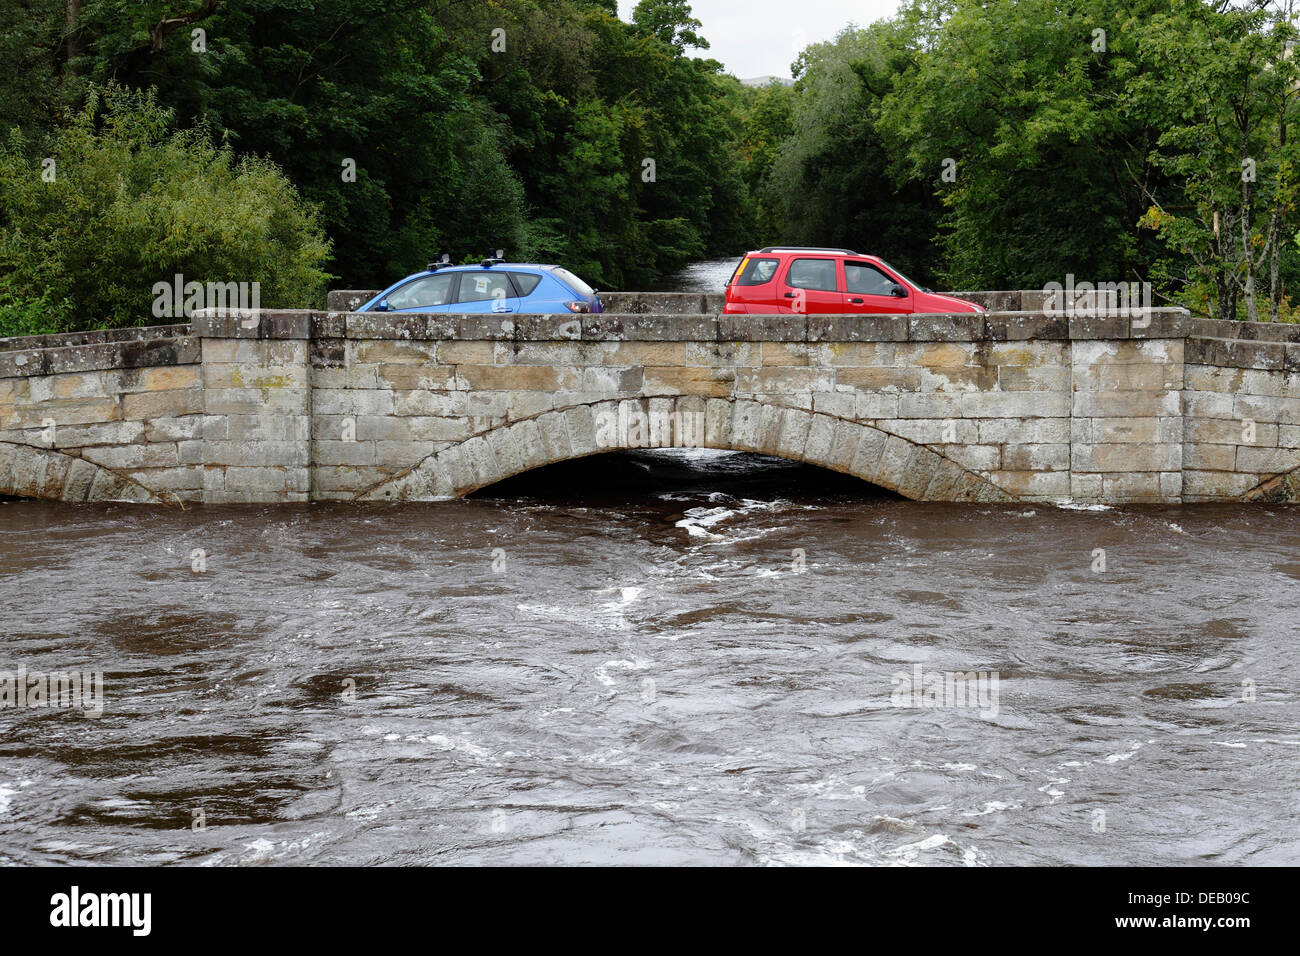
<point x="641" y="658"/>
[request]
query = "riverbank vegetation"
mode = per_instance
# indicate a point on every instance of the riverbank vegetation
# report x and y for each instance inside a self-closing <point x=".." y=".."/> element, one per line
<point x="991" y="144"/>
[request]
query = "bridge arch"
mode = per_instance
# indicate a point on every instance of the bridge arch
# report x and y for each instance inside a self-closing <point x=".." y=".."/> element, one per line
<point x="861" y="449"/>
<point x="27" y="471"/>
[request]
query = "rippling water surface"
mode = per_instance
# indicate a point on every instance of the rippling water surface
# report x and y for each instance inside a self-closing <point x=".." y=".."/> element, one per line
<point x="641" y="674"/>
<point x="703" y="275"/>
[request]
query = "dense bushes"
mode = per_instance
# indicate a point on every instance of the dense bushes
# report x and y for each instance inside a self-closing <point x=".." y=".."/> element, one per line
<point x="129" y="201"/>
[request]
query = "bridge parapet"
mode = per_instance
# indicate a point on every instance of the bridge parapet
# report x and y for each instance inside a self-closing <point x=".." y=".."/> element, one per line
<point x="295" y="405"/>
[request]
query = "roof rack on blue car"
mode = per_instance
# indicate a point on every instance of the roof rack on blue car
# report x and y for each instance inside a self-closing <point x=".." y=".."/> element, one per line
<point x="444" y="259"/>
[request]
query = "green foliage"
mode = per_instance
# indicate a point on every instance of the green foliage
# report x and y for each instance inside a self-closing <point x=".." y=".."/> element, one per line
<point x="31" y="95"/>
<point x="1094" y="137"/>
<point x="31" y="316"/>
<point x="132" y="202"/>
<point x="1011" y="96"/>
<point x="670" y="22"/>
<point x="556" y="131"/>
<point x="832" y="180"/>
<point x="514" y="124"/>
<point x="1220" y="85"/>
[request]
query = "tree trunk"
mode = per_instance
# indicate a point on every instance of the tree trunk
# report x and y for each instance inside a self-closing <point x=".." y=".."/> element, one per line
<point x="1224" y="283"/>
<point x="1275" y="252"/>
<point x="73" y="8"/>
<point x="1248" y="254"/>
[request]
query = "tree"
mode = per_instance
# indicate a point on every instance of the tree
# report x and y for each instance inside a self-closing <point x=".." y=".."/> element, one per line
<point x="1221" y="83"/>
<point x="832" y="180"/>
<point x="670" y="22"/>
<point x="1018" y="102"/>
<point x="131" y="201"/>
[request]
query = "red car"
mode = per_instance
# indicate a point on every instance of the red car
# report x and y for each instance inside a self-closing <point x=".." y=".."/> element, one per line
<point x="785" y="279"/>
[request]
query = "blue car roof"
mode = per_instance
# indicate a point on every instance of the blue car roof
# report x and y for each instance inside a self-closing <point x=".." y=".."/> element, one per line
<point x="515" y="266"/>
<point x="496" y="265"/>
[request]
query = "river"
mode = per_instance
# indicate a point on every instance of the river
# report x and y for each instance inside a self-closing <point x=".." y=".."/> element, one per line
<point x="669" y="658"/>
<point x="704" y="275"/>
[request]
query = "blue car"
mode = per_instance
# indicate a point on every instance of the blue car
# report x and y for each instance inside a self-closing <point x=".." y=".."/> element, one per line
<point x="491" y="286"/>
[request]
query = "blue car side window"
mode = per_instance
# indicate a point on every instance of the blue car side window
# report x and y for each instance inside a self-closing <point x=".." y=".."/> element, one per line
<point x="423" y="293"/>
<point x="526" y="282"/>
<point x="485" y="286"/>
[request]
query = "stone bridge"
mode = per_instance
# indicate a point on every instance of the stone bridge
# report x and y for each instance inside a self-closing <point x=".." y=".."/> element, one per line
<point x="1016" y="404"/>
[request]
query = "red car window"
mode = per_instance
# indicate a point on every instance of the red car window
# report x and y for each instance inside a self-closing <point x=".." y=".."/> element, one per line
<point x="818" y="274"/>
<point x="757" y="271"/>
<point x="865" y="279"/>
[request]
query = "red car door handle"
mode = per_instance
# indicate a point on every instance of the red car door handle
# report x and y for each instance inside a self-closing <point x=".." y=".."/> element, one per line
<point x="790" y="295"/>
<point x="856" y="301"/>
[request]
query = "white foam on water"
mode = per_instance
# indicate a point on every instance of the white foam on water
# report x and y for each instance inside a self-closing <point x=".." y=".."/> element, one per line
<point x="1049" y="788"/>
<point x="626" y="595"/>
<point x="1116" y="758"/>
<point x="609" y="756"/>
<point x="698" y="521"/>
<point x="909" y="853"/>
<point x="607" y="617"/>
<point x="993" y="806"/>
<point x="5" y="802"/>
<point x="603" y="675"/>
<point x="832" y="854"/>
<point x="697" y="454"/>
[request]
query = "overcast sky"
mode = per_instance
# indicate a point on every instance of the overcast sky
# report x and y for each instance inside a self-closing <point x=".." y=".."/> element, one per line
<point x="761" y="37"/>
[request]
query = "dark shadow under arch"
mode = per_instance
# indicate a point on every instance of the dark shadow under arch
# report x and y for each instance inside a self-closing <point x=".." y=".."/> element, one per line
<point x="894" y="463"/>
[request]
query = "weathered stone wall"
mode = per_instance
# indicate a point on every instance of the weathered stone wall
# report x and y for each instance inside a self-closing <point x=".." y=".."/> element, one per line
<point x="976" y="406"/>
<point x="959" y="406"/>
<point x="102" y="415"/>
<point x="257" y="426"/>
<point x="296" y="405"/>
<point x="1242" y="412"/>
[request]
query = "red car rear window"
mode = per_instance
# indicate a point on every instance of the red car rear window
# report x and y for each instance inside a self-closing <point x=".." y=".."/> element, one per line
<point x="757" y="271"/>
